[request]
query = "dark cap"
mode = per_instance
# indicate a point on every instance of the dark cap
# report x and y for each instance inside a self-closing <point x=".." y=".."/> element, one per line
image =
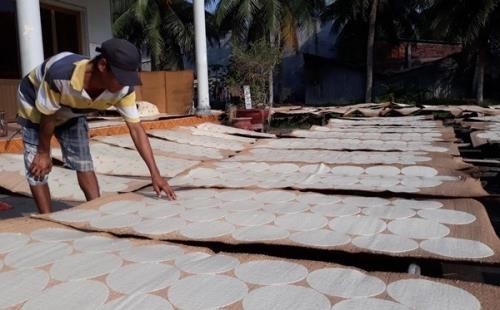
<point x="124" y="60"/>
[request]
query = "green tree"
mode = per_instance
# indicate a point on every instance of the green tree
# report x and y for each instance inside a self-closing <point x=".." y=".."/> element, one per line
<point x="274" y="21"/>
<point x="164" y="29"/>
<point x="359" y="23"/>
<point x="251" y="66"/>
<point x="474" y="23"/>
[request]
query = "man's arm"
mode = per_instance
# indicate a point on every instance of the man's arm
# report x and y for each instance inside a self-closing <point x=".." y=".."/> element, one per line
<point x="42" y="163"/>
<point x="142" y="145"/>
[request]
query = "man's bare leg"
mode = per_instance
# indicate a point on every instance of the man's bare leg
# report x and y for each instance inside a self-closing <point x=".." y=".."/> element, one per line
<point x="41" y="194"/>
<point x="88" y="183"/>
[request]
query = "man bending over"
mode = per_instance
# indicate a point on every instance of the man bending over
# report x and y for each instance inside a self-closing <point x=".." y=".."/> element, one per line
<point x="54" y="98"/>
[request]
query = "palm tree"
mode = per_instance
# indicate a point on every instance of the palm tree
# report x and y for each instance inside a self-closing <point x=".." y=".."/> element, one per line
<point x="163" y="28"/>
<point x="369" y="50"/>
<point x="476" y="24"/>
<point x="354" y="20"/>
<point x="275" y="21"/>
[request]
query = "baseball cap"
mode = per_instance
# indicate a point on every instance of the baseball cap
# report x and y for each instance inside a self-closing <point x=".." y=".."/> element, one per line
<point x="124" y="60"/>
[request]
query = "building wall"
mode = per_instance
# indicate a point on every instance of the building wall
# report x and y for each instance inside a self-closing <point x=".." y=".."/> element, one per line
<point x="96" y="28"/>
<point x="96" y="20"/>
<point x="333" y="83"/>
<point x="291" y="84"/>
<point x="406" y="54"/>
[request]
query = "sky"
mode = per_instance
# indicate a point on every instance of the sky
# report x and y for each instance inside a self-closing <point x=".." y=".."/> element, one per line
<point x="210" y="8"/>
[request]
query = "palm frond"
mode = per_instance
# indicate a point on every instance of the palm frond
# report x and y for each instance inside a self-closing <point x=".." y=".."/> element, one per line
<point x="141" y="10"/>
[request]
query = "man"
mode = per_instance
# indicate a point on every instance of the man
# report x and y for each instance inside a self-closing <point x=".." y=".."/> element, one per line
<point x="54" y="99"/>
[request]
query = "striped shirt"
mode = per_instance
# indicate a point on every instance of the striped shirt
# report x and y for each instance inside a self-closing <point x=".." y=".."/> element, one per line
<point x="56" y="87"/>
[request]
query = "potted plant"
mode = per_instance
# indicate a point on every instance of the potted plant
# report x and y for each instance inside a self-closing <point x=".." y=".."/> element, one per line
<point x="253" y="66"/>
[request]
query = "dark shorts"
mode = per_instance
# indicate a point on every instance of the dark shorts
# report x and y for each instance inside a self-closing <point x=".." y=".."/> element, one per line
<point x="73" y="136"/>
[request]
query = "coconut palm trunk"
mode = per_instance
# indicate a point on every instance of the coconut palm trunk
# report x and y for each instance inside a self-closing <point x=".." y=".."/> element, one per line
<point x="271" y="75"/>
<point x="481" y="68"/>
<point x="370" y="51"/>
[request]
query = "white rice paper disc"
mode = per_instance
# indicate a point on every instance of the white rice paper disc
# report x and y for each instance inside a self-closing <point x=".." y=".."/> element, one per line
<point x="418" y="228"/>
<point x="430" y="182"/>
<point x="151" y="253"/>
<point x="75" y="216"/>
<point x="235" y="195"/>
<point x="302" y="221"/>
<point x="341" y="181"/>
<point x="250" y="218"/>
<point x="196" y="194"/>
<point x="368" y="303"/>
<point x="457" y="248"/>
<point x="444" y="216"/>
<point x="365" y="201"/>
<point x="141" y="301"/>
<point x="203" y="173"/>
<point x="403" y="189"/>
<point x="242" y="206"/>
<point x="425" y="294"/>
<point x="203" y="215"/>
<point x="83" y="295"/>
<point x="57" y="234"/>
<point x="385" y="243"/>
<point x="336" y="210"/>
<point x="203" y="263"/>
<point x="285" y="297"/>
<point x="419" y="171"/>
<point x="257" y="166"/>
<point x="287" y="207"/>
<point x="17" y="286"/>
<point x="160" y="212"/>
<point x="207" y="230"/>
<point x="122" y="207"/>
<point x="320" y="238"/>
<point x="206" y="292"/>
<point x="159" y="226"/>
<point x="283" y="168"/>
<point x="347" y="170"/>
<point x="98" y="244"/>
<point x="84" y="266"/>
<point x="371" y="181"/>
<point x="417" y="204"/>
<point x="271" y="272"/>
<point x="314" y="198"/>
<point x="200" y="204"/>
<point x="275" y="196"/>
<point x="260" y="233"/>
<point x="420" y="182"/>
<point x="358" y="225"/>
<point x="37" y="254"/>
<point x="346" y="283"/>
<point x="142" y="278"/>
<point x="308" y="168"/>
<point x="11" y="241"/>
<point x="383" y="170"/>
<point x="115" y="221"/>
<point x="389" y="212"/>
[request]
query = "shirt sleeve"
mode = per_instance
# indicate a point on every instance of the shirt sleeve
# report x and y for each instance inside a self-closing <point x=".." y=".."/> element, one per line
<point x="48" y="97"/>
<point x="128" y="108"/>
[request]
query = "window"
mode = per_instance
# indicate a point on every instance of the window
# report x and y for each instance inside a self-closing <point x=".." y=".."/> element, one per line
<point x="10" y="64"/>
<point x="61" y="31"/>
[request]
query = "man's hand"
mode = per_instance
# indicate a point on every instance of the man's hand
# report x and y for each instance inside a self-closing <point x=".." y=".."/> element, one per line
<point x="41" y="166"/>
<point x="161" y="185"/>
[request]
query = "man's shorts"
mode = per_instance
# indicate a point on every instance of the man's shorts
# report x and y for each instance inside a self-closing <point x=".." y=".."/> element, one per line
<point x="74" y="140"/>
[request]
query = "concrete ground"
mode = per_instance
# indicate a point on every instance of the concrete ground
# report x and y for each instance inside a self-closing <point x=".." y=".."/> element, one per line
<point x="23" y="206"/>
